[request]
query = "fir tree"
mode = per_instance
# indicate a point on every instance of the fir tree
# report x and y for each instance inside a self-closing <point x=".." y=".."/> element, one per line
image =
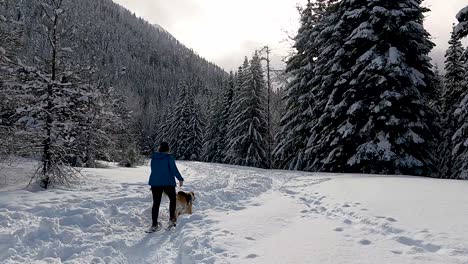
<point x="212" y="146"/>
<point x="454" y="86"/>
<point x="247" y="140"/>
<point x="187" y="131"/>
<point x="10" y="79"/>
<point x="230" y="152"/>
<point x="53" y="101"/>
<point x="225" y="114"/>
<point x="197" y="133"/>
<point x="180" y="130"/>
<point x="459" y="143"/>
<point x="454" y="74"/>
<point x="295" y="123"/>
<point x="373" y="82"/>
<point x="217" y="130"/>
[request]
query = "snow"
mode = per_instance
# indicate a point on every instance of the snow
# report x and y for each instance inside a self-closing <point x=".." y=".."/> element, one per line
<point x="462" y="15"/>
<point x="461" y="29"/>
<point x="67" y="49"/>
<point x="241" y="215"/>
<point x="394" y="56"/>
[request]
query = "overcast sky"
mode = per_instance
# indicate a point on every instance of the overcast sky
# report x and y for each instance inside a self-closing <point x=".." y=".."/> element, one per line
<point x="224" y="31"/>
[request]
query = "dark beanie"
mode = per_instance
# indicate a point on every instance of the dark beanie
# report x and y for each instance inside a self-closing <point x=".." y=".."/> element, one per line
<point x="164" y="147"/>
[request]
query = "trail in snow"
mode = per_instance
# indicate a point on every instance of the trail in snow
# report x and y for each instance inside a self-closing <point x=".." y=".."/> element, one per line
<point x="242" y="215"/>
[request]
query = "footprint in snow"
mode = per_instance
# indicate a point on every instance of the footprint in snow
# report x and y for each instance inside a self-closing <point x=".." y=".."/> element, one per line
<point x="250" y="238"/>
<point x="365" y="242"/>
<point x="218" y="250"/>
<point x="338" y="229"/>
<point x="251" y="256"/>
<point x="390" y="219"/>
<point x="418" y="244"/>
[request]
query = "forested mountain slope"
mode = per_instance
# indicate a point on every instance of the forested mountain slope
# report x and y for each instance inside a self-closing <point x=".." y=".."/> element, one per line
<point x="142" y="60"/>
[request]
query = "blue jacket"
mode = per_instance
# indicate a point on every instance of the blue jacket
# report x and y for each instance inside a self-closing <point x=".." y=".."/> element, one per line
<point x="163" y="170"/>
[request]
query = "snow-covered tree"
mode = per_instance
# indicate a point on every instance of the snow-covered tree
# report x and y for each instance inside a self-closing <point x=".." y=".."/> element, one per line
<point x="373" y="82"/>
<point x="197" y="135"/>
<point x="295" y="124"/>
<point x="100" y="126"/>
<point x="459" y="152"/>
<point x="439" y="83"/>
<point x="459" y="142"/>
<point x="229" y="152"/>
<point x="217" y="130"/>
<point x="51" y="99"/>
<point x="454" y="74"/>
<point x="180" y="130"/>
<point x="461" y="30"/>
<point x="212" y="148"/>
<point x="9" y="45"/>
<point x="247" y="142"/>
<point x="187" y="130"/>
<point x="454" y="86"/>
<point x="226" y="113"/>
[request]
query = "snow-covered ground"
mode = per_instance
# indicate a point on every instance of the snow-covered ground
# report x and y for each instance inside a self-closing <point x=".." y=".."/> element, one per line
<point x="241" y="215"/>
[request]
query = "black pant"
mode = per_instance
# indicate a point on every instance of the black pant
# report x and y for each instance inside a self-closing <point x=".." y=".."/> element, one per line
<point x="157" y="195"/>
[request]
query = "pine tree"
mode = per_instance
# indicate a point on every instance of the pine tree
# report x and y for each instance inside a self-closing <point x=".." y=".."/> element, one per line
<point x="225" y="114"/>
<point x="459" y="143"/>
<point x="454" y="86"/>
<point x="100" y="125"/>
<point x="123" y="131"/>
<point x="437" y="103"/>
<point x="187" y="131"/>
<point x="230" y="152"/>
<point x="52" y="99"/>
<point x="217" y="130"/>
<point x="197" y="133"/>
<point x="247" y="139"/>
<point x="454" y="74"/>
<point x="373" y="82"/>
<point x="9" y="72"/>
<point x="212" y="146"/>
<point x="180" y="130"/>
<point x="295" y="123"/>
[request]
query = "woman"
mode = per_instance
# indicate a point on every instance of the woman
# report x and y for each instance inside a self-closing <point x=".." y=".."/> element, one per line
<point x="163" y="171"/>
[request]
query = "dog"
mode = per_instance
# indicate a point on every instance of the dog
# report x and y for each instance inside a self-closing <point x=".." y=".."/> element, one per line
<point x="184" y="202"/>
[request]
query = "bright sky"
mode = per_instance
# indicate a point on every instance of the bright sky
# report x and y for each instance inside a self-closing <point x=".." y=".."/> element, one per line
<point x="224" y="31"/>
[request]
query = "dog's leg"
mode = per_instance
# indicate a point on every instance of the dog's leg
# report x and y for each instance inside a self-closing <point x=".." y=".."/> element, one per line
<point x="190" y="208"/>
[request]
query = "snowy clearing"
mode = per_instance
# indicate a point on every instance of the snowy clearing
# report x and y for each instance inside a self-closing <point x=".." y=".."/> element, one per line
<point x="242" y="215"/>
